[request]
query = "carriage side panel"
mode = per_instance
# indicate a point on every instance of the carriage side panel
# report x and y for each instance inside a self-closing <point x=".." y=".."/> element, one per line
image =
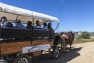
<point x="13" y="47"/>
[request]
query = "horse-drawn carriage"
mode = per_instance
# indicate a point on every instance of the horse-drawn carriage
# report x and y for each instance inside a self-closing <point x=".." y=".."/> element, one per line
<point x="19" y="45"/>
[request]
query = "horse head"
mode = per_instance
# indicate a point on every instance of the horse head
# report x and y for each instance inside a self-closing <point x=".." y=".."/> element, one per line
<point x="72" y="33"/>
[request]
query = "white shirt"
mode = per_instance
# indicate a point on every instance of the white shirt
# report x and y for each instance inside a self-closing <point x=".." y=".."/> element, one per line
<point x="38" y="27"/>
<point x="45" y="28"/>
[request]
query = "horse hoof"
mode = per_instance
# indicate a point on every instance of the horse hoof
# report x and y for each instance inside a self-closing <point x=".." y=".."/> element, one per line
<point x="64" y="52"/>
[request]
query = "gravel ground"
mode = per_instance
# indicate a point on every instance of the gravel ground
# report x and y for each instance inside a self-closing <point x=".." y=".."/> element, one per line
<point x="80" y="53"/>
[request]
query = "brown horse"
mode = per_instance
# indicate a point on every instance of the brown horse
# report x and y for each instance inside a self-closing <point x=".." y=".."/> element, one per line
<point x="69" y="38"/>
<point x="60" y="39"/>
<point x="65" y="38"/>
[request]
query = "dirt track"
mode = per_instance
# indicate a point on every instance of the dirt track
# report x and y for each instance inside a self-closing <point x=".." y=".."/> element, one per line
<point x="80" y="53"/>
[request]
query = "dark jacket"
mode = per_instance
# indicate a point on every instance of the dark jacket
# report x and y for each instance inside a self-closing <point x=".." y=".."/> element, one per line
<point x="29" y="27"/>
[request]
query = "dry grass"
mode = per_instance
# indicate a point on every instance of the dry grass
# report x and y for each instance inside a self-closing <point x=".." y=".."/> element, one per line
<point x="80" y="40"/>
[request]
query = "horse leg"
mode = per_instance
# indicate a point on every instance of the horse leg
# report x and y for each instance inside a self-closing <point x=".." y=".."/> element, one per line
<point x="61" y="46"/>
<point x="71" y="44"/>
<point x="64" y="44"/>
<point x="70" y="47"/>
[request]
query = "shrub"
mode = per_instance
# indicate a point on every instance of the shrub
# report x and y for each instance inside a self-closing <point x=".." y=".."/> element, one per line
<point x="85" y="35"/>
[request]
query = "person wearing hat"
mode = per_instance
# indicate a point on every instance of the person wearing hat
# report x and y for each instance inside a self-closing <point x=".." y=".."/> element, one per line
<point x="19" y="25"/>
<point x="3" y="21"/>
<point x="50" y="26"/>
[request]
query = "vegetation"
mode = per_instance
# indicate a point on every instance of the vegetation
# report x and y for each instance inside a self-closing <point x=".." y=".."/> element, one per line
<point x="84" y="37"/>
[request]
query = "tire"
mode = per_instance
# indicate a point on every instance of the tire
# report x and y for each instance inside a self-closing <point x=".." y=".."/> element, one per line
<point x="55" y="52"/>
<point x="22" y="59"/>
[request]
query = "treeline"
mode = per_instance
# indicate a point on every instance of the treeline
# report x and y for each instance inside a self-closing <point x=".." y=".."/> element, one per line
<point x="84" y="37"/>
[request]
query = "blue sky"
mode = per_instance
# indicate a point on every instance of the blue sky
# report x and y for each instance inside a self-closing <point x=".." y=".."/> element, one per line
<point x="76" y="15"/>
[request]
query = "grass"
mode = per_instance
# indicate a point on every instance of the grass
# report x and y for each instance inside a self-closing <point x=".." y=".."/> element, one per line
<point x="81" y="40"/>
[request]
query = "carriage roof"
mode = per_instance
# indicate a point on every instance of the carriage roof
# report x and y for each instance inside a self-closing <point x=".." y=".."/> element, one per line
<point x="24" y="15"/>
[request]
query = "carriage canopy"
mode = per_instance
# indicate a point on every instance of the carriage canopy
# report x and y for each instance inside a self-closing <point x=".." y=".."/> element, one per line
<point x="12" y="13"/>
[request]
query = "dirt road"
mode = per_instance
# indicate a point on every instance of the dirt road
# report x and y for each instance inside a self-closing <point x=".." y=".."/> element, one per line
<point x="80" y="53"/>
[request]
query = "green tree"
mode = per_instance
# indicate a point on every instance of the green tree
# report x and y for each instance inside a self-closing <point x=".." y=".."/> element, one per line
<point x="85" y="35"/>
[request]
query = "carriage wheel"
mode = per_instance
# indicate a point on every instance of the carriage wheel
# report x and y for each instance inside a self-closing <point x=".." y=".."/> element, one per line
<point x="22" y="59"/>
<point x="61" y="46"/>
<point x="55" y="52"/>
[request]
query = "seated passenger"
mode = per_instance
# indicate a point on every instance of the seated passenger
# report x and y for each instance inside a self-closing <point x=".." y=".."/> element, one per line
<point x="51" y="29"/>
<point x="50" y="26"/>
<point x="19" y="25"/>
<point x="9" y="24"/>
<point x="45" y="27"/>
<point x="38" y="24"/>
<point x="3" y="22"/>
<point x="29" y="25"/>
